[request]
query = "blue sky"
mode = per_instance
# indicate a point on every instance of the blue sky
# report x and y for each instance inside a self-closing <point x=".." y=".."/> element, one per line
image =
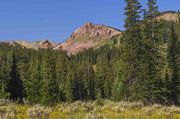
<point x="56" y="19"/>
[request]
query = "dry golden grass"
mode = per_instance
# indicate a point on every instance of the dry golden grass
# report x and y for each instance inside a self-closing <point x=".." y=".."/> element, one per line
<point x="89" y="110"/>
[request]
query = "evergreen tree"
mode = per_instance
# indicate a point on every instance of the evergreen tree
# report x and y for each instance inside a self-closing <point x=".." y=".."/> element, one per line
<point x="61" y="71"/>
<point x="49" y="89"/>
<point x="153" y="58"/>
<point x="15" y="85"/>
<point x="100" y="77"/>
<point x="132" y="12"/>
<point x="152" y="61"/>
<point x="152" y="9"/>
<point x="34" y="81"/>
<point x="90" y="82"/>
<point x="4" y="71"/>
<point x="85" y="78"/>
<point x="153" y="24"/>
<point x="119" y="84"/>
<point x="132" y="42"/>
<point x="174" y="65"/>
<point x="68" y="90"/>
<point x="103" y="77"/>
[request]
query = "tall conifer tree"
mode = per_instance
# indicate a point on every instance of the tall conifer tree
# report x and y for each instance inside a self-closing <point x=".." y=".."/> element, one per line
<point x="152" y="58"/>
<point x="15" y="85"/>
<point x="34" y="81"/>
<point x="131" y="50"/>
<point x="174" y="65"/>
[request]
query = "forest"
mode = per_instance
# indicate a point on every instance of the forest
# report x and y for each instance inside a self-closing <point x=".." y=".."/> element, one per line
<point x="142" y="66"/>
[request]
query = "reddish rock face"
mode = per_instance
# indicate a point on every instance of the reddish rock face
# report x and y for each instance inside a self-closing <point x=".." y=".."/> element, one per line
<point x="88" y="36"/>
<point x="95" y="30"/>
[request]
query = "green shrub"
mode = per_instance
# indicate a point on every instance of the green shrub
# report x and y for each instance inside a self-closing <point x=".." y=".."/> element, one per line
<point x="99" y="102"/>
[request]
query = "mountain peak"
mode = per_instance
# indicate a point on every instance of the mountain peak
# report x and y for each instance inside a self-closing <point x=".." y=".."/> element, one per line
<point x="44" y="44"/>
<point x="87" y="36"/>
<point x="94" y="30"/>
<point x="44" y="41"/>
<point x="88" y="25"/>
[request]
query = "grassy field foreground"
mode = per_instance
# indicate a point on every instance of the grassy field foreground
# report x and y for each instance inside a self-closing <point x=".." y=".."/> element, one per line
<point x="89" y="110"/>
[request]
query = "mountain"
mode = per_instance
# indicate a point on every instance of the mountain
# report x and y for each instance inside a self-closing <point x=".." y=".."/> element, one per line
<point x="88" y="36"/>
<point x="85" y="37"/>
<point x="44" y="44"/>
<point x="168" y="16"/>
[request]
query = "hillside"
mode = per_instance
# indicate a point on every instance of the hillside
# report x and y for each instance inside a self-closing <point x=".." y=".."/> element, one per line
<point x="168" y="16"/>
<point x="88" y="36"/>
<point x="44" y="44"/>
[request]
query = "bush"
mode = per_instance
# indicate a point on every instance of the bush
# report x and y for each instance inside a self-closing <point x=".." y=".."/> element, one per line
<point x="95" y="116"/>
<point x="4" y="102"/>
<point x="39" y="112"/>
<point x="99" y="102"/>
<point x="8" y="112"/>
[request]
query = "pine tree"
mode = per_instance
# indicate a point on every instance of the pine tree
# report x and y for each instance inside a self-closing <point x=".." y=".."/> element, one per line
<point x="90" y="82"/>
<point x="132" y="42"/>
<point x="153" y="58"/>
<point x="61" y="71"/>
<point x="49" y="89"/>
<point x="152" y="9"/>
<point x="68" y="89"/>
<point x="174" y="65"/>
<point x="119" y="83"/>
<point x="153" y="24"/>
<point x="108" y="83"/>
<point x="132" y="12"/>
<point x="100" y="77"/>
<point x="3" y="74"/>
<point x="33" y="82"/>
<point x="85" y="78"/>
<point x="15" y="85"/>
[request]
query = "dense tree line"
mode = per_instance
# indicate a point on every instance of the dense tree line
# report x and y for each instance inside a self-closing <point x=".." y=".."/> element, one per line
<point x="47" y="77"/>
<point x="143" y="65"/>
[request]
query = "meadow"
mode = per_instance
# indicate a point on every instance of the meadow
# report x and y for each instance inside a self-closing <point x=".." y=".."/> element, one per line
<point x="103" y="109"/>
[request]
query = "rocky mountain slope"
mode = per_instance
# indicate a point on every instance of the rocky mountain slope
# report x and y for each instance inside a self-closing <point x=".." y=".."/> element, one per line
<point x="88" y="36"/>
<point x="169" y="16"/>
<point x="44" y="44"/>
